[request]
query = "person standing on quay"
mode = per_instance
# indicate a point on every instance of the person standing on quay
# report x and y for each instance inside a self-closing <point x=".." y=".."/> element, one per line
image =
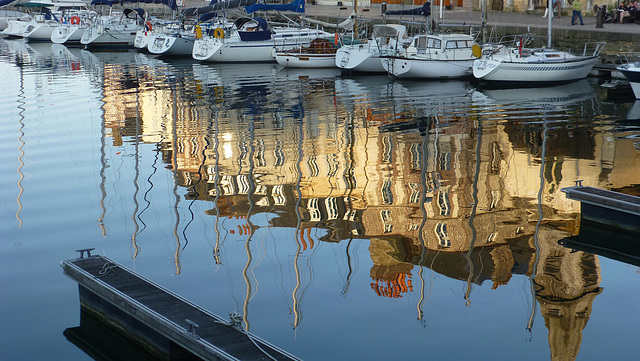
<point x="577" y="12"/>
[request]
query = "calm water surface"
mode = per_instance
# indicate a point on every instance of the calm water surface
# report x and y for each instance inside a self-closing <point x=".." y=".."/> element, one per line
<point x="344" y="217"/>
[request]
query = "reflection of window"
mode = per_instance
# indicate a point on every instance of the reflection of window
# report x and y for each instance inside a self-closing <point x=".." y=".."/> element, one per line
<point x="386" y="220"/>
<point x="278" y="195"/>
<point x="385" y="215"/>
<point x="278" y="154"/>
<point x="227" y="185"/>
<point x="416" y="156"/>
<point x="443" y="237"/>
<point x="332" y="208"/>
<point x="387" y="150"/>
<point x="492" y="237"/>
<point x="314" y="210"/>
<point x="333" y="164"/>
<point x="443" y="202"/>
<point x="194" y="147"/>
<point x="445" y="161"/>
<point x="313" y="166"/>
<point x="187" y="177"/>
<point x="496" y="157"/>
<point x="387" y="195"/>
<point x="260" y="160"/>
<point x="495" y="198"/>
<point x="349" y="216"/>
<point x="243" y="184"/>
<point x="260" y="189"/>
<point x="415" y="193"/>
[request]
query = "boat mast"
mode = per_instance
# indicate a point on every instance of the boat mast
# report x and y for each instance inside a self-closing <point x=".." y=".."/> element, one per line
<point x="550" y="8"/>
<point x="484" y="21"/>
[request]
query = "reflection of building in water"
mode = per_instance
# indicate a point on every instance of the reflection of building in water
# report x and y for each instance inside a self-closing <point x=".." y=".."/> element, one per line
<point x="411" y="182"/>
<point x="566" y="285"/>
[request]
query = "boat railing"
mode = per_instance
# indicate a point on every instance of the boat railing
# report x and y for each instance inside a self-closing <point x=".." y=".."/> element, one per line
<point x="628" y="57"/>
<point x="515" y="40"/>
<point x="593" y="48"/>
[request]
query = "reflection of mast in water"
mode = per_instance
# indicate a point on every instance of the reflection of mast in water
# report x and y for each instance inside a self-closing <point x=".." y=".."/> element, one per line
<point x="21" y="103"/>
<point x="472" y="216"/>
<point x="350" y="177"/>
<point x="296" y="305"/>
<point x="216" y="178"/>
<point x="536" y="242"/>
<point x="251" y="230"/>
<point x="423" y="199"/>
<point x="174" y="151"/>
<point x="135" y="180"/>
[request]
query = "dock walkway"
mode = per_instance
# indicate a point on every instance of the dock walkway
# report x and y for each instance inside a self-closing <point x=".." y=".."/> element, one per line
<point x="198" y="331"/>
<point x="613" y="209"/>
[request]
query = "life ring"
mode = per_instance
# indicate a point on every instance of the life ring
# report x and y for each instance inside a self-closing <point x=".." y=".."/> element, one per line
<point x="148" y="26"/>
<point x="74" y="20"/>
<point x="218" y="33"/>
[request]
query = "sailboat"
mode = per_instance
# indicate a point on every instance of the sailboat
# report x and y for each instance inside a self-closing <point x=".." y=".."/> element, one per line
<point x="515" y="62"/>
<point x="253" y="40"/>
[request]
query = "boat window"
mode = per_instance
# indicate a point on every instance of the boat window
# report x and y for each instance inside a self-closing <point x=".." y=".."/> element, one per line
<point x="437" y="44"/>
<point x="430" y="43"/>
<point x="451" y="45"/>
<point x="421" y="42"/>
<point x="463" y="44"/>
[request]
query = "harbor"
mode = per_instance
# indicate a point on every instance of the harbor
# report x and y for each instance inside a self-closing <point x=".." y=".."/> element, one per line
<point x="257" y="211"/>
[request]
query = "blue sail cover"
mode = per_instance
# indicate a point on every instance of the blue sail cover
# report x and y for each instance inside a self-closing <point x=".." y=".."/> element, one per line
<point x="423" y="10"/>
<point x="217" y="6"/>
<point x="6" y="2"/>
<point x="102" y="2"/>
<point x="170" y="3"/>
<point x="295" y="6"/>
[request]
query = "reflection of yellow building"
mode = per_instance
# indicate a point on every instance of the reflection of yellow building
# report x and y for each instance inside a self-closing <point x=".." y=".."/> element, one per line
<point x="566" y="285"/>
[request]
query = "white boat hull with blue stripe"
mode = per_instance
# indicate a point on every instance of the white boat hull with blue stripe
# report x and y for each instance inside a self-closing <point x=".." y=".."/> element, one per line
<point x="518" y="65"/>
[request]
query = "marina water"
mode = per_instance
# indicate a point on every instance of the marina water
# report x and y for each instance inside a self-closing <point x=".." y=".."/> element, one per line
<point x="345" y="217"/>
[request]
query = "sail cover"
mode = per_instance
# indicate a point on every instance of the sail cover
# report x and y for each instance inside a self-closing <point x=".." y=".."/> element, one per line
<point x="346" y="24"/>
<point x="424" y="10"/>
<point x="295" y="6"/>
<point x="217" y="6"/>
<point x="5" y="2"/>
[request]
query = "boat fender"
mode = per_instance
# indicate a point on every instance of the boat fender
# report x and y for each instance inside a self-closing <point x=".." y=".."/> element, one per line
<point x="148" y="26"/>
<point x="198" y="31"/>
<point x="476" y="50"/>
<point x="218" y="33"/>
<point x="75" y="20"/>
<point x="335" y="40"/>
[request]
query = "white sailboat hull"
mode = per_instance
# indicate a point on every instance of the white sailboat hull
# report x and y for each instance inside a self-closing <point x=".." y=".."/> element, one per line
<point x="16" y="28"/>
<point x="67" y="34"/>
<point x="40" y="31"/>
<point x="232" y="49"/>
<point x="427" y="68"/>
<point x="301" y="60"/>
<point x="361" y="58"/>
<point x="112" y="35"/>
<point x="223" y="51"/>
<point x="513" y="71"/>
<point x="162" y="44"/>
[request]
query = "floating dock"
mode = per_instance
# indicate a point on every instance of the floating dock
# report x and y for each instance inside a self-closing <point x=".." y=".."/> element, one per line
<point x="620" y="246"/>
<point x="607" y="208"/>
<point x="159" y="319"/>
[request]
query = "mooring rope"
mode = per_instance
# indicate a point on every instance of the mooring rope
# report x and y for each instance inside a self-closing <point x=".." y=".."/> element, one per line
<point x="107" y="268"/>
<point x="236" y="321"/>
